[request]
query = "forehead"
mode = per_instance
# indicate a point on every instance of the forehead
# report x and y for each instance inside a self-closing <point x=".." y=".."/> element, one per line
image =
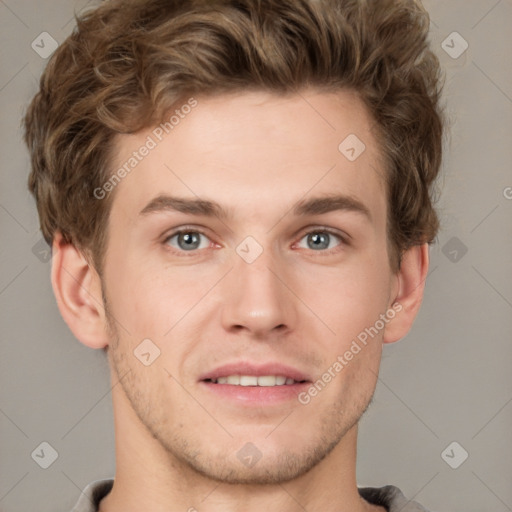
<point x="253" y="151"/>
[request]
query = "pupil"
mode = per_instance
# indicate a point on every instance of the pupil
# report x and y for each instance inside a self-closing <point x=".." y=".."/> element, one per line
<point x="320" y="240"/>
<point x="191" y="240"/>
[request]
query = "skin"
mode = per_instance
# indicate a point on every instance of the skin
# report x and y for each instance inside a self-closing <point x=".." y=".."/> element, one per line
<point x="256" y="154"/>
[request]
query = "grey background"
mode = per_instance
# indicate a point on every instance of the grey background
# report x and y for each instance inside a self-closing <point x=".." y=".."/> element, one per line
<point x="448" y="380"/>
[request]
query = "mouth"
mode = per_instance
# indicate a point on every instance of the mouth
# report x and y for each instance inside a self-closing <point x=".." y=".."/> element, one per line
<point x="266" y="381"/>
<point x="255" y="384"/>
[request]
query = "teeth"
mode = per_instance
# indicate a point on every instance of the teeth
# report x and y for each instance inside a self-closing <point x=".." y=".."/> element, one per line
<point x="251" y="380"/>
<point x="267" y="380"/>
<point x="247" y="380"/>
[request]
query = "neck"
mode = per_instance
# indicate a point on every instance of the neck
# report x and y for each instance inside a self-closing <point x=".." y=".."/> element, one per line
<point x="148" y="477"/>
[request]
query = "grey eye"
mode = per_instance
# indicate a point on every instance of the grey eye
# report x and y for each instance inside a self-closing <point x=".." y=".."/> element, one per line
<point x="320" y="240"/>
<point x="187" y="240"/>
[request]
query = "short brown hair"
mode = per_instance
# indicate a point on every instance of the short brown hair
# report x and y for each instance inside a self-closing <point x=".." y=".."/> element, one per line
<point x="128" y="62"/>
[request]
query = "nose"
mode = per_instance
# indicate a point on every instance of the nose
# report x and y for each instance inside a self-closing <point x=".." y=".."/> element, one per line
<point x="257" y="297"/>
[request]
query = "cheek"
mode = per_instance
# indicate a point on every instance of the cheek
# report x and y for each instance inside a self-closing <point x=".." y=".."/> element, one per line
<point x="348" y="300"/>
<point x="151" y="302"/>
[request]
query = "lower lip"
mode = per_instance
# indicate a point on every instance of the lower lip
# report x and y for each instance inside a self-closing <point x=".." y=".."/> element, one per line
<point x="257" y="395"/>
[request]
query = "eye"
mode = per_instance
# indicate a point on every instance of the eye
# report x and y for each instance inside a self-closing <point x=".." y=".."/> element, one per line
<point x="187" y="240"/>
<point x="322" y="240"/>
<point x="191" y="240"/>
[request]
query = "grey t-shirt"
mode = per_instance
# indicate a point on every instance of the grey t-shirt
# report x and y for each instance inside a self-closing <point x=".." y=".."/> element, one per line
<point x="389" y="497"/>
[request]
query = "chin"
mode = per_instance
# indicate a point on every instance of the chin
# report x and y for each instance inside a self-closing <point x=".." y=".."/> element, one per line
<point x="273" y="464"/>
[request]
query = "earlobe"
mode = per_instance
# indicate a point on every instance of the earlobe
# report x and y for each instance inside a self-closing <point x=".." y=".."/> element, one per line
<point x="411" y="284"/>
<point x="77" y="289"/>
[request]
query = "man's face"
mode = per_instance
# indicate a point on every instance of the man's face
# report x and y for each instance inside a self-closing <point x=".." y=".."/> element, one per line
<point x="266" y="290"/>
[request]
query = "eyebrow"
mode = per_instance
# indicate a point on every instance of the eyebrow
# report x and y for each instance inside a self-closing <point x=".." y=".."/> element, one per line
<point x="204" y="207"/>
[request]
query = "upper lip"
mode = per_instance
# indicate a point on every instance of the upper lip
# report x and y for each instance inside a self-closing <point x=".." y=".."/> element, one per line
<point x="257" y="370"/>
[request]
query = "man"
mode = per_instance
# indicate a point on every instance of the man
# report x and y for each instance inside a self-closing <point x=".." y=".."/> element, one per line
<point x="237" y="193"/>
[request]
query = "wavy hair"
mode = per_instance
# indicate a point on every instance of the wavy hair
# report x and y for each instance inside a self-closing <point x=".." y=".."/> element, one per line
<point x="128" y="62"/>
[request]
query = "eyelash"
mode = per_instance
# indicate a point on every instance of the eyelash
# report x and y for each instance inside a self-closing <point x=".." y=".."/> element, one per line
<point x="343" y="241"/>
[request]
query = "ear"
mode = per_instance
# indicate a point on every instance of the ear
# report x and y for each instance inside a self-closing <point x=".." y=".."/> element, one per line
<point x="77" y="288"/>
<point x="408" y="292"/>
